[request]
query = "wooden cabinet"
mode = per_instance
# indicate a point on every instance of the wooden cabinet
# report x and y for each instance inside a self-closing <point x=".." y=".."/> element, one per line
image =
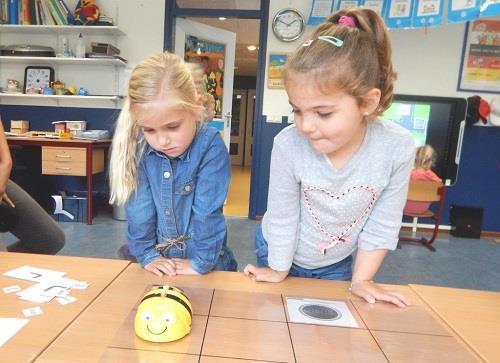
<point x="58" y="160"/>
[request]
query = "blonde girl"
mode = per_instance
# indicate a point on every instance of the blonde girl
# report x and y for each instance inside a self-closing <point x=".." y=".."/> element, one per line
<point x="172" y="175"/>
<point x="339" y="176"/>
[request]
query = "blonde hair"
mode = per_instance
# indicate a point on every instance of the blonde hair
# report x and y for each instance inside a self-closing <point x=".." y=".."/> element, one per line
<point x="162" y="79"/>
<point x="361" y="63"/>
<point x="425" y="157"/>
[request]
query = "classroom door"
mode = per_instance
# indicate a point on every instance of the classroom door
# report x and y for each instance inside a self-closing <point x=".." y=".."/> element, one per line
<point x="214" y="49"/>
<point x="237" y="145"/>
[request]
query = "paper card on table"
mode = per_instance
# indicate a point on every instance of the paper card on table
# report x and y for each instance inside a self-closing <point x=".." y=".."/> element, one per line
<point x="33" y="273"/>
<point x="34" y="311"/>
<point x="320" y="312"/>
<point x="13" y="288"/>
<point x="47" y="289"/>
<point x="81" y="285"/>
<point x="10" y="326"/>
<point x="65" y="299"/>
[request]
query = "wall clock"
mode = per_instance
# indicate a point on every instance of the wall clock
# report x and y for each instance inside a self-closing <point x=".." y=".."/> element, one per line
<point x="288" y="25"/>
<point x="37" y="77"/>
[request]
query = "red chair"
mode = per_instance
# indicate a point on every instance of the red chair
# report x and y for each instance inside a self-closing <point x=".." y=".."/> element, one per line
<point x="426" y="192"/>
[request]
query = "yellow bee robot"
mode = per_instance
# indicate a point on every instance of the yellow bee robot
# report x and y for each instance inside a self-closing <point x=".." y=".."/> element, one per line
<point x="164" y="315"/>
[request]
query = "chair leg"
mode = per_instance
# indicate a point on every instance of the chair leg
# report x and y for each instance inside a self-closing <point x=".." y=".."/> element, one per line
<point x="423" y="241"/>
<point x="414" y="226"/>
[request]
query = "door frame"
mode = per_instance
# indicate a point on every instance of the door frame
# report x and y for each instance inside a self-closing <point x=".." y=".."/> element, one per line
<point x="172" y="11"/>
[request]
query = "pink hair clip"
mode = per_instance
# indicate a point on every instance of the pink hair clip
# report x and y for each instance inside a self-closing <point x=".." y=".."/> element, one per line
<point x="347" y="21"/>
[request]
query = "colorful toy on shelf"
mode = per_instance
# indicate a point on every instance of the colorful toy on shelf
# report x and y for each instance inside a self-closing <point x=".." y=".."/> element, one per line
<point x="13" y="86"/>
<point x="83" y="91"/>
<point x="48" y="91"/>
<point x="59" y="87"/>
<point x="164" y="315"/>
<point x="86" y="12"/>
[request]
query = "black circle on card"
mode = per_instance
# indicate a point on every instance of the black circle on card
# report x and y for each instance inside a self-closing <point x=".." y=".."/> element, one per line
<point x="320" y="312"/>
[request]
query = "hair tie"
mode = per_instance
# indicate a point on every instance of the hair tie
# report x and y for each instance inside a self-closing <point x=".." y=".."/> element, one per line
<point x="347" y="21"/>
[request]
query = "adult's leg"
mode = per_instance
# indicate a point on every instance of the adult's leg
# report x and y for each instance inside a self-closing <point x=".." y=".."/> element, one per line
<point x="36" y="230"/>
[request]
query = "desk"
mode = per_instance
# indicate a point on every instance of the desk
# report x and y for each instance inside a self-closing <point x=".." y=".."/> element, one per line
<point x="473" y="315"/>
<point x="41" y="330"/>
<point x="89" y="169"/>
<point x="238" y="320"/>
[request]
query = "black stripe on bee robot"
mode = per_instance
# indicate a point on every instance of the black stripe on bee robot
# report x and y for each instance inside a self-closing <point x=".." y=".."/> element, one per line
<point x="173" y="297"/>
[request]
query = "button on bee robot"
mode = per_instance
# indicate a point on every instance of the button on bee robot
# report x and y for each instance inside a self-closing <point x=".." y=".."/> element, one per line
<point x="164" y="315"/>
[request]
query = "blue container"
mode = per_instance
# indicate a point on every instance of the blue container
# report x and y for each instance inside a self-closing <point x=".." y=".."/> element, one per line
<point x="74" y="203"/>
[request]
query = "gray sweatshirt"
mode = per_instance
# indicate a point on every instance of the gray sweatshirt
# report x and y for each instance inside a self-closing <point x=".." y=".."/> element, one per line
<point x="314" y="207"/>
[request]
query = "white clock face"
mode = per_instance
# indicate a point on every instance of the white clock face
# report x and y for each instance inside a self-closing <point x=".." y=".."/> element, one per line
<point x="37" y="78"/>
<point x="288" y="25"/>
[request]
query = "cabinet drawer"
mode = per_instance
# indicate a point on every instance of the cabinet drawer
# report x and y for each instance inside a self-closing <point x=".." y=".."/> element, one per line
<point x="57" y="153"/>
<point x="69" y="161"/>
<point x="64" y="168"/>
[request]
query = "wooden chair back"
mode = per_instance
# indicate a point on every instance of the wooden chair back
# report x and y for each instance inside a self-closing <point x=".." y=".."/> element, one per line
<point x="424" y="191"/>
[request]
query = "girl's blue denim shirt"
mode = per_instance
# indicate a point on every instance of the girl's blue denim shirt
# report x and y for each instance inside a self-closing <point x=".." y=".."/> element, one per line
<point x="176" y="211"/>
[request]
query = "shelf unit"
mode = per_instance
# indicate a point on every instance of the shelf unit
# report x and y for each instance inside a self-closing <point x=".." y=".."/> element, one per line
<point x="60" y="60"/>
<point x="60" y="97"/>
<point x="107" y="80"/>
<point x="61" y="29"/>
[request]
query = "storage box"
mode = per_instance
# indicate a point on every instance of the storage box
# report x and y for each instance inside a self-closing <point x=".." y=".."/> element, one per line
<point x="19" y="126"/>
<point x="69" y="126"/>
<point x="76" y="125"/>
<point x="466" y="221"/>
<point x="75" y="203"/>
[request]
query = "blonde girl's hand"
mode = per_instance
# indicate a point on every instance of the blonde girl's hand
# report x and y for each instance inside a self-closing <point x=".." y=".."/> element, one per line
<point x="4" y="197"/>
<point x="161" y="266"/>
<point x="371" y="292"/>
<point x="264" y="274"/>
<point x="183" y="267"/>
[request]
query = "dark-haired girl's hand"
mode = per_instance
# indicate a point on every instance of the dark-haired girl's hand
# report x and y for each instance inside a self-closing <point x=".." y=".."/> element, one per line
<point x="264" y="274"/>
<point x="371" y="292"/>
<point x="162" y="266"/>
<point x="5" y="198"/>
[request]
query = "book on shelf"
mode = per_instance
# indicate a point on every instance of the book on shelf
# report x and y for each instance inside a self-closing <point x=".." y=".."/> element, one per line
<point x="105" y="56"/>
<point x="104" y="48"/>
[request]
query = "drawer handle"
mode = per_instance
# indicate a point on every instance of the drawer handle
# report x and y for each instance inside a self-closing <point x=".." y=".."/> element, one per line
<point x="63" y="156"/>
<point x="61" y="168"/>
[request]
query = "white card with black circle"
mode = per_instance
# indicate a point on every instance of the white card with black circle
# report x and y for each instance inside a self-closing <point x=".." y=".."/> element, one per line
<point x="320" y="312"/>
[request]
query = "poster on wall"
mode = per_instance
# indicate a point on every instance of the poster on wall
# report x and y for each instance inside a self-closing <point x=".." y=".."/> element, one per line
<point x="346" y="4"/>
<point x="463" y="10"/>
<point x="427" y="13"/>
<point x="375" y="5"/>
<point x="320" y="10"/>
<point x="210" y="56"/>
<point x="275" y="70"/>
<point x="480" y="66"/>
<point x="399" y="14"/>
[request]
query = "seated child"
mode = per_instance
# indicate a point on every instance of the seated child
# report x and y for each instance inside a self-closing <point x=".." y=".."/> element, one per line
<point x="425" y="158"/>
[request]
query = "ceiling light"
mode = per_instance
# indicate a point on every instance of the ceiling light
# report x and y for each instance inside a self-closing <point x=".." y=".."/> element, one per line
<point x="251" y="48"/>
<point x="222" y="18"/>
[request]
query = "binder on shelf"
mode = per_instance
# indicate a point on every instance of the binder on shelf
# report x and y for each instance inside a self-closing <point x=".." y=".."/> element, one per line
<point x="13" y="12"/>
<point x="70" y="19"/>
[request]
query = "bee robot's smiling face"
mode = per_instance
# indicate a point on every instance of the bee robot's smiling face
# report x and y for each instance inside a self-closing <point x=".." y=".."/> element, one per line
<point x="164" y="315"/>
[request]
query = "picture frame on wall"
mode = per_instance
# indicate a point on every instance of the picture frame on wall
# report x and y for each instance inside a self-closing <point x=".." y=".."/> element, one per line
<point x="480" y="62"/>
<point x="275" y="70"/>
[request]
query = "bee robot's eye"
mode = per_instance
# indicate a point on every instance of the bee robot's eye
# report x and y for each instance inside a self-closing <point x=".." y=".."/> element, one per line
<point x="169" y="318"/>
<point x="147" y="315"/>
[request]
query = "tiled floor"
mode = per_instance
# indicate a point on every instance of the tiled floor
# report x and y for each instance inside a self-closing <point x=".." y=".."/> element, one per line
<point x="457" y="262"/>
